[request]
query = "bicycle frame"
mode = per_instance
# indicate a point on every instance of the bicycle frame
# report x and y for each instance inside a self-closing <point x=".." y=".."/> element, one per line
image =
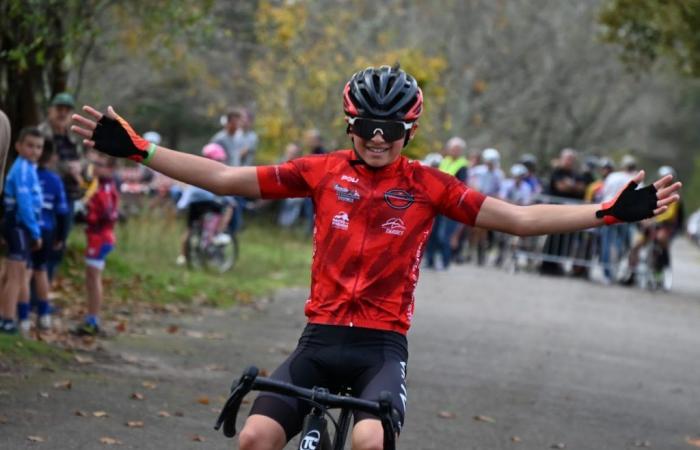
<point x="314" y="430"/>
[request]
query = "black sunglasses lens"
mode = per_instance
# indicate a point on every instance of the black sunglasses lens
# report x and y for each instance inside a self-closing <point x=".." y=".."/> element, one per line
<point x="390" y="131"/>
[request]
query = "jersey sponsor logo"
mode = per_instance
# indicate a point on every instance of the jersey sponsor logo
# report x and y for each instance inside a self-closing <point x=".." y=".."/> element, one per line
<point x="398" y="198"/>
<point x="310" y="441"/>
<point x="341" y="221"/>
<point x="394" y="226"/>
<point x="346" y="195"/>
<point x="349" y="178"/>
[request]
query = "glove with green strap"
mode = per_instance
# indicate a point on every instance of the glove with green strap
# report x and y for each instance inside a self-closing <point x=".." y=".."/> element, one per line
<point x="629" y="205"/>
<point x="116" y="138"/>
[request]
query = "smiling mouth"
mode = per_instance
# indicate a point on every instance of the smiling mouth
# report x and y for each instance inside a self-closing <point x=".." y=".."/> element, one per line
<point x="376" y="150"/>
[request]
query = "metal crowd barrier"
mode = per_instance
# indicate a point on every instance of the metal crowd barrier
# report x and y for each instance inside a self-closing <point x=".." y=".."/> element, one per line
<point x="577" y="253"/>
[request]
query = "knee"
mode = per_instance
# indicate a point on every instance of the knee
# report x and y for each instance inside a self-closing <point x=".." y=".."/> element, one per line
<point x="370" y="437"/>
<point x="257" y="436"/>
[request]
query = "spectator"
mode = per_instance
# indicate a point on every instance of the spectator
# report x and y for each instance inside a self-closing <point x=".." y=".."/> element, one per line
<point x="229" y="139"/>
<point x="54" y="220"/>
<point x="248" y="138"/>
<point x="530" y="162"/>
<point x="102" y="214"/>
<point x="487" y="179"/>
<point x="313" y="142"/>
<point x="565" y="181"/>
<point x="21" y="231"/>
<point x="292" y="208"/>
<point x="198" y="202"/>
<point x="594" y="191"/>
<point x="441" y="236"/>
<point x="615" y="239"/>
<point x="67" y="147"/>
<point x="515" y="189"/>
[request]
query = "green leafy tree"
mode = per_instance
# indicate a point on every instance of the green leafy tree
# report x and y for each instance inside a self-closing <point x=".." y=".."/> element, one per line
<point x="649" y="30"/>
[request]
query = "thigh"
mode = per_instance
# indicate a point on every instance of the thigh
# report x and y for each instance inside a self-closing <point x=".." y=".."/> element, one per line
<point x="301" y="369"/>
<point x="18" y="243"/>
<point x="388" y="375"/>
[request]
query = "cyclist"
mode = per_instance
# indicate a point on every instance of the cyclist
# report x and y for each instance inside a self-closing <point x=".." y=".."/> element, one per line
<point x="198" y="202"/>
<point x="374" y="211"/>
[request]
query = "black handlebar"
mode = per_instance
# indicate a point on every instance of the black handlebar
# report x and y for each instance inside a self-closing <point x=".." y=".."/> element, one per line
<point x="250" y="381"/>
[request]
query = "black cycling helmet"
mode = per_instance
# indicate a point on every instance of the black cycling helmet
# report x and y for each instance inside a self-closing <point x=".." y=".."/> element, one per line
<point x="386" y="93"/>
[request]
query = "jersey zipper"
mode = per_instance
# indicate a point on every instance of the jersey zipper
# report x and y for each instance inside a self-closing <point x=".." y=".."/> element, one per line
<point x="373" y="185"/>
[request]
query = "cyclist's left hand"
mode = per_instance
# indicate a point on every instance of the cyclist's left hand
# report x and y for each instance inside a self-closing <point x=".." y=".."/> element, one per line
<point x="632" y="204"/>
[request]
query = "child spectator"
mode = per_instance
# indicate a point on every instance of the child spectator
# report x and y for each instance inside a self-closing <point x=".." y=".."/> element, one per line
<point x="102" y="213"/>
<point x="21" y="229"/>
<point x="54" y="227"/>
<point x="198" y="202"/>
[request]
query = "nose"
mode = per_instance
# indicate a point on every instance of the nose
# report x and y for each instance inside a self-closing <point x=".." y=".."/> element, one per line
<point x="378" y="137"/>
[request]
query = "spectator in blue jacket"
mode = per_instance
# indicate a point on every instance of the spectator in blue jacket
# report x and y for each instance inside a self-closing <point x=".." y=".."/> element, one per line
<point x="54" y="228"/>
<point x="21" y="230"/>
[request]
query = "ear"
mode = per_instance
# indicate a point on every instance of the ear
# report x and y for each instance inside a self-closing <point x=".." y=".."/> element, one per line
<point x="413" y="130"/>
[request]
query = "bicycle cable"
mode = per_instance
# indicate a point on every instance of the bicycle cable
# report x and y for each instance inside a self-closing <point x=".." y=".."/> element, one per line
<point x="324" y="409"/>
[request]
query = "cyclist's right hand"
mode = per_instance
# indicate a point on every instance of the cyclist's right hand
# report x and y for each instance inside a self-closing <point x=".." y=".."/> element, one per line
<point x="111" y="134"/>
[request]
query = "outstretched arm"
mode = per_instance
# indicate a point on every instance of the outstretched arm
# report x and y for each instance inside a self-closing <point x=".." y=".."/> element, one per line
<point x="111" y="134"/>
<point x="549" y="219"/>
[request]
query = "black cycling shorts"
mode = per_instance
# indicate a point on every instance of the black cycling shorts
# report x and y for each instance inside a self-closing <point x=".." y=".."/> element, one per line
<point x="198" y="209"/>
<point x="337" y="357"/>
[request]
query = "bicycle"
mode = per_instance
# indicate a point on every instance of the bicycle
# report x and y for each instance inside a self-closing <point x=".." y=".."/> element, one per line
<point x="314" y="435"/>
<point x="208" y="249"/>
<point x="653" y="269"/>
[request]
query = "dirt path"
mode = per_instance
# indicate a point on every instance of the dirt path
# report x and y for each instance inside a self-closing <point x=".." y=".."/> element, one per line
<point x="546" y="361"/>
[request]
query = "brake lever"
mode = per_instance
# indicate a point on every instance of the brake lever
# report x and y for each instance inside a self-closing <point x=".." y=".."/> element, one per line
<point x="388" y="420"/>
<point x="229" y="412"/>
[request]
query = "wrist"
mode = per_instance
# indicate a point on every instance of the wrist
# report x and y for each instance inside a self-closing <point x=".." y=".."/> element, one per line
<point x="151" y="150"/>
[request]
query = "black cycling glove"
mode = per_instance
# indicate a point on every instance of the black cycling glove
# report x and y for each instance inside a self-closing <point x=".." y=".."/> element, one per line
<point x="116" y="138"/>
<point x="630" y="205"/>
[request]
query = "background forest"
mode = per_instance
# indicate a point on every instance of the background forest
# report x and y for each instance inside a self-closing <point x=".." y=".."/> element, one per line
<point x="606" y="77"/>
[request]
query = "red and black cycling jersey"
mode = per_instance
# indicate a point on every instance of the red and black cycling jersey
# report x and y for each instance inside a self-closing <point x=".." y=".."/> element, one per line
<point x="369" y="232"/>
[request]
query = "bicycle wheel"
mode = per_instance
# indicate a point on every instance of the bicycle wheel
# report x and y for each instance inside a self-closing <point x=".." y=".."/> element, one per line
<point x="193" y="250"/>
<point x="221" y="256"/>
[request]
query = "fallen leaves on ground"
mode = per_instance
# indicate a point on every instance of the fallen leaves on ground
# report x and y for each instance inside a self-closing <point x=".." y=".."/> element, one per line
<point x="179" y="414"/>
<point x="447" y="415"/>
<point x="35" y="439"/>
<point x="516" y="439"/>
<point x="203" y="400"/>
<point x="110" y="441"/>
<point x="137" y="396"/>
<point x="486" y="419"/>
<point x="215" y="368"/>
<point x="134" y="424"/>
<point x="3" y="419"/>
<point x="198" y="438"/>
<point x="121" y="327"/>
<point x="194" y="334"/>
<point x="63" y="384"/>
<point x="163" y="414"/>
<point x="100" y="414"/>
<point x="83" y="359"/>
<point x="172" y="329"/>
<point x="80" y="413"/>
<point x="149" y="385"/>
<point x="44" y="394"/>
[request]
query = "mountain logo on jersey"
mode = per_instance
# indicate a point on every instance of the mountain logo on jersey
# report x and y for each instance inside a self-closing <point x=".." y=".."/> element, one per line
<point x="346" y="195"/>
<point x="394" y="226"/>
<point x="341" y="221"/>
<point x="398" y="198"/>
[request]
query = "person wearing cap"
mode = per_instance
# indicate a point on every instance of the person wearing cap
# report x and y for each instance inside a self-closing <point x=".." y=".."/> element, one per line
<point x="56" y="131"/>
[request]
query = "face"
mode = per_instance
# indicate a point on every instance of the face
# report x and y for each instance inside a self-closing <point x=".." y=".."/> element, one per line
<point x="101" y="165"/>
<point x="377" y="152"/>
<point x="59" y="115"/>
<point x="233" y="123"/>
<point x="30" y="147"/>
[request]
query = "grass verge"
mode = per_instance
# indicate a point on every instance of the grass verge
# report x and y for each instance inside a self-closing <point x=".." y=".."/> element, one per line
<point x="142" y="266"/>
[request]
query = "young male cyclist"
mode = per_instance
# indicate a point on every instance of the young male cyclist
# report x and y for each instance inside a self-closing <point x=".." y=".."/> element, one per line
<point x="374" y="211"/>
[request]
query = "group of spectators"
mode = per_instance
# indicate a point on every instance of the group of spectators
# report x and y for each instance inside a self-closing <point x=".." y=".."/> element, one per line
<point x="593" y="180"/>
<point x="47" y="182"/>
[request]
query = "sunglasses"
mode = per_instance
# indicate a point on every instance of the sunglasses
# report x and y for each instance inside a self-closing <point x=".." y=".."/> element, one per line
<point x="390" y="131"/>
